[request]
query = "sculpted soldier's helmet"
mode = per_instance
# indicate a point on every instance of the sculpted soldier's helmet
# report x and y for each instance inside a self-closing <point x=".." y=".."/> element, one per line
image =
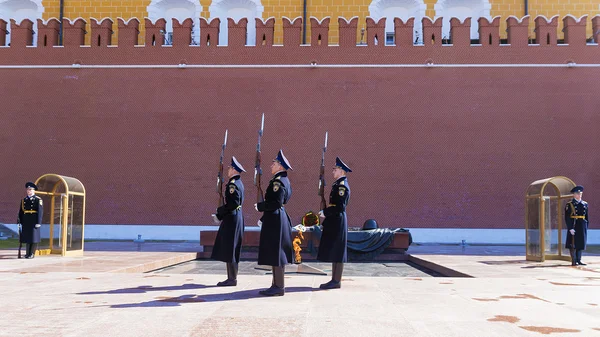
<point x="370" y="224"/>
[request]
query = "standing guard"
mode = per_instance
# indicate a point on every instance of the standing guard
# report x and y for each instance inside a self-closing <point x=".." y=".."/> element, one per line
<point x="334" y="242"/>
<point x="31" y="211"/>
<point x="576" y="218"/>
<point x="228" y="243"/>
<point x="275" y="247"/>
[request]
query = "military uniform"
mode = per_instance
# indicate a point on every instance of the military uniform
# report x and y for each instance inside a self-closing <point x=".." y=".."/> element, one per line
<point x="334" y="242"/>
<point x="576" y="217"/>
<point x="228" y="243"/>
<point x="31" y="211"/>
<point x="333" y="245"/>
<point x="275" y="247"/>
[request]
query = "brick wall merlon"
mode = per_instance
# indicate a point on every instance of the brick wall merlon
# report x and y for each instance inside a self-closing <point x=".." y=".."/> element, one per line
<point x="129" y="32"/>
<point x="237" y="32"/>
<point x="489" y="32"/>
<point x="432" y="32"/>
<point x="348" y="32"/>
<point x="518" y="31"/>
<point x="596" y="28"/>
<point x="403" y="32"/>
<point x="21" y="33"/>
<point x="101" y="32"/>
<point x="319" y="31"/>
<point x="265" y="31"/>
<point x="292" y="31"/>
<point x="3" y="30"/>
<point x="209" y="32"/>
<point x="155" y="32"/>
<point x="48" y="32"/>
<point x="574" y="30"/>
<point x="460" y="33"/>
<point x="375" y="32"/>
<point x="546" y="30"/>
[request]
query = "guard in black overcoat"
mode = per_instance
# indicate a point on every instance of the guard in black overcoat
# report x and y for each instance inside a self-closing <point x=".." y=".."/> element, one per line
<point x="333" y="245"/>
<point x="228" y="243"/>
<point x="576" y="219"/>
<point x="275" y="247"/>
<point x="31" y="211"/>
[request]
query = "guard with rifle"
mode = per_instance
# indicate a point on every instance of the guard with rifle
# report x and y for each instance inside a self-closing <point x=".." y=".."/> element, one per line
<point x="228" y="243"/>
<point x="576" y="219"/>
<point x="31" y="211"/>
<point x="275" y="247"/>
<point x="334" y="242"/>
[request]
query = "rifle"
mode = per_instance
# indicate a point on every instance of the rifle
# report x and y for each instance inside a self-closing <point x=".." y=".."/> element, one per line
<point x="322" y="176"/>
<point x="220" y="173"/>
<point x="20" y="233"/>
<point x="257" y="168"/>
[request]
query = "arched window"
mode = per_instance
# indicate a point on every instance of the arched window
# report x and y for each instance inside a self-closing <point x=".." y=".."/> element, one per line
<point x="236" y="9"/>
<point x="403" y="9"/>
<point x="20" y="10"/>
<point x="462" y="9"/>
<point x="180" y="10"/>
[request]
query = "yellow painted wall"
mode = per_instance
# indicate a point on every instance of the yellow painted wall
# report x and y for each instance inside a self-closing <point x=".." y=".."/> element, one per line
<point x="320" y="9"/>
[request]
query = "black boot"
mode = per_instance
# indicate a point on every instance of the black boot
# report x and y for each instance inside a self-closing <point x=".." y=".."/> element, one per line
<point x="579" y="252"/>
<point x="573" y="256"/>
<point x="336" y="277"/>
<point x="27" y="250"/>
<point x="278" y="287"/>
<point x="326" y="285"/>
<point x="33" y="250"/>
<point x="231" y="277"/>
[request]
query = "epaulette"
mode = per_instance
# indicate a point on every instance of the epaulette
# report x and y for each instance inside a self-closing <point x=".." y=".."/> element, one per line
<point x="232" y="181"/>
<point x="584" y="202"/>
<point x="342" y="182"/>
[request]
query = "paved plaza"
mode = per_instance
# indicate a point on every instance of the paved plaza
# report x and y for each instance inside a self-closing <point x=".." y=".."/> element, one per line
<point x="157" y="289"/>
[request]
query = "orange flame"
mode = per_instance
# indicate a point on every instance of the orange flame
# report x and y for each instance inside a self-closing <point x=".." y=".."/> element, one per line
<point x="297" y="241"/>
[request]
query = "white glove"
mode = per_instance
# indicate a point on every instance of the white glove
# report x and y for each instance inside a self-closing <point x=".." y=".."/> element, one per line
<point x="300" y="228"/>
<point x="215" y="219"/>
<point x="256" y="207"/>
<point x="321" y="214"/>
<point x="38" y="226"/>
<point x="259" y="223"/>
<point x="572" y="231"/>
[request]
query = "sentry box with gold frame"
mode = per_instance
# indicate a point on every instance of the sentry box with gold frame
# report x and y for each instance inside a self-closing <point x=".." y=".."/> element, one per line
<point x="64" y="215"/>
<point x="545" y="227"/>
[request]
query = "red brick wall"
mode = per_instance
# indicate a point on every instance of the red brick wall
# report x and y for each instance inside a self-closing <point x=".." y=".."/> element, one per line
<point x="442" y="147"/>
